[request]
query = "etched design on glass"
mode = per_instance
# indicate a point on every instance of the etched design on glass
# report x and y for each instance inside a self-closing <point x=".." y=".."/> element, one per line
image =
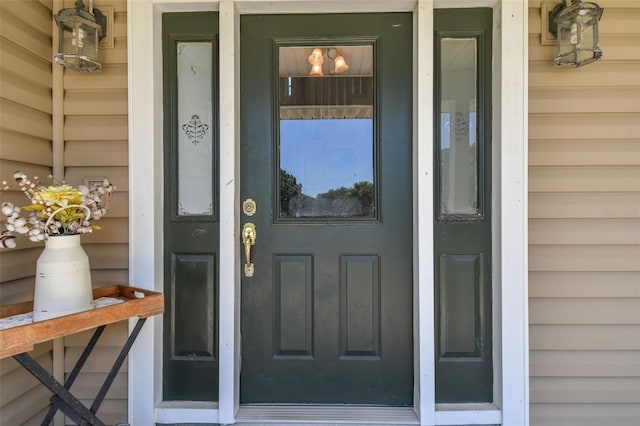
<point x="326" y="161"/>
<point x="195" y="148"/>
<point x="460" y="128"/>
<point x="195" y="129"/>
<point x="183" y="212"/>
<point x="458" y="147"/>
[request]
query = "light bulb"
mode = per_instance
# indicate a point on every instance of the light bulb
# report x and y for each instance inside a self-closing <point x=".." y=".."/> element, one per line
<point x="316" y="70"/>
<point x="341" y="64"/>
<point x="316" y="56"/>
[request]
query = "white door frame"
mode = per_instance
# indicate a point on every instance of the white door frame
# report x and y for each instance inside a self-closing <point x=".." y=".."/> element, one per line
<point x="510" y="141"/>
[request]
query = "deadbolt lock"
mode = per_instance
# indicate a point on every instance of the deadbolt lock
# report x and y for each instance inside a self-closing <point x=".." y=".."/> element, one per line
<point x="249" y="207"/>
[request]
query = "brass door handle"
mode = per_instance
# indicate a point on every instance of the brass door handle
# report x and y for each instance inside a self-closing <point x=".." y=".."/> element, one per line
<point x="248" y="239"/>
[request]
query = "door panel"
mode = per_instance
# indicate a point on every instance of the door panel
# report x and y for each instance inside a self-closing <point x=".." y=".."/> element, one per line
<point x="327" y="315"/>
<point x="191" y="231"/>
<point x="462" y="204"/>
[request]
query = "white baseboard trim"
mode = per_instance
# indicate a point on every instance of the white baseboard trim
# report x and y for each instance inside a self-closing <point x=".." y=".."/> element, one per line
<point x="172" y="412"/>
<point x="467" y="414"/>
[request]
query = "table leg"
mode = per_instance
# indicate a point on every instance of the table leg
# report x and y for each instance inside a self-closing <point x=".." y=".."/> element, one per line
<point x="116" y="366"/>
<point x="71" y="403"/>
<point x="74" y="373"/>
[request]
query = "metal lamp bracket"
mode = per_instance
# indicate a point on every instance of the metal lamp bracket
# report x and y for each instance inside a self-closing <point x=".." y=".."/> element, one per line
<point x="102" y="20"/>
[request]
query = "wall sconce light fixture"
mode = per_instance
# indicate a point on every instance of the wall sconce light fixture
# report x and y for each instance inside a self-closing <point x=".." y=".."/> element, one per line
<point x="79" y="34"/>
<point x="316" y="59"/>
<point x="576" y="30"/>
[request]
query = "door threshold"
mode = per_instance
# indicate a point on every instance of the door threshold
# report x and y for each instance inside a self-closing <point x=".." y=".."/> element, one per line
<point x="325" y="415"/>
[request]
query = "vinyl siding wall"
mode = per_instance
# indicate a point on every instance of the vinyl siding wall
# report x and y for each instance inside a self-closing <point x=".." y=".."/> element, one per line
<point x="95" y="146"/>
<point x="25" y="144"/>
<point x="584" y="228"/>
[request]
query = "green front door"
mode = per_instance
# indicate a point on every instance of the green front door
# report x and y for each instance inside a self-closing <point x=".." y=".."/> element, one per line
<point x="326" y="128"/>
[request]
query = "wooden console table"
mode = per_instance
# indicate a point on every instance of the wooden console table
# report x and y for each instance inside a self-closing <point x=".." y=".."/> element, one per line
<point x="19" y="340"/>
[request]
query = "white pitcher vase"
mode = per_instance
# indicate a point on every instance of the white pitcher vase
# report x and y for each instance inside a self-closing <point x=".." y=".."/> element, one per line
<point x="63" y="278"/>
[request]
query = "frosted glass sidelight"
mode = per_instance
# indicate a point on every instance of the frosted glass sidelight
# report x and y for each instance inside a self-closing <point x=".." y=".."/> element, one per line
<point x="458" y="147"/>
<point x="195" y="129"/>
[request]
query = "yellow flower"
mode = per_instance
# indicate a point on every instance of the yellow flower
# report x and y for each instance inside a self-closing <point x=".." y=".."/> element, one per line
<point x="61" y="195"/>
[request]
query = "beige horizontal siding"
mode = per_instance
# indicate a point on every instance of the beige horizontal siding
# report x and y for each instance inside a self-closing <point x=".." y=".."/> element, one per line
<point x="584" y="179"/>
<point x="32" y="14"/>
<point x="572" y="231"/>
<point x="586" y="284"/>
<point x="22" y="119"/>
<point x="109" y="276"/>
<point x="112" y="102"/>
<point x="21" y="395"/>
<point x="602" y="74"/>
<point x="33" y="41"/>
<point x="26" y="407"/>
<point x="88" y="385"/>
<point x="561" y="100"/>
<point x="587" y="205"/>
<point x="17" y="90"/>
<point x="112" y="411"/>
<point x="585" y="311"/>
<point x="571" y="125"/>
<point x="111" y="77"/>
<point x="17" y="291"/>
<point x="99" y="127"/>
<point x="584" y="337"/>
<point x="584" y="228"/>
<point x="96" y="146"/>
<point x="583" y="258"/>
<point x="96" y="362"/>
<point x="15" y="146"/>
<point x="597" y="390"/>
<point x="117" y="231"/>
<point x="564" y="414"/>
<point x="84" y="153"/>
<point x="13" y="59"/>
<point x="111" y="256"/>
<point x="586" y="364"/>
<point x="584" y="152"/>
<point x="19" y="263"/>
<point x="25" y="144"/>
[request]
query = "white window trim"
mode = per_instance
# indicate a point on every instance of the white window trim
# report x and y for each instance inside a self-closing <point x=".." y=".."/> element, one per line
<point x="510" y="204"/>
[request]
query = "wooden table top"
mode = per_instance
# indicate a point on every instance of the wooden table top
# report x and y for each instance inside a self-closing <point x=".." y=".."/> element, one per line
<point x="137" y="303"/>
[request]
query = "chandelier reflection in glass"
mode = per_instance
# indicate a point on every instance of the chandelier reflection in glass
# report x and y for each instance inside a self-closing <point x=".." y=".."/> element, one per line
<point x="316" y="59"/>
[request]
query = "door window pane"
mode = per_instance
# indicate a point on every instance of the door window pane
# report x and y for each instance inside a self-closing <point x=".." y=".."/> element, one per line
<point x="458" y="148"/>
<point x="195" y="131"/>
<point x="326" y="129"/>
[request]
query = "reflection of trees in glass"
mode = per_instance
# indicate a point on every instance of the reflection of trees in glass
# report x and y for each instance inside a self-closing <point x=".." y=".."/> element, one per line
<point x="289" y="189"/>
<point x="356" y="201"/>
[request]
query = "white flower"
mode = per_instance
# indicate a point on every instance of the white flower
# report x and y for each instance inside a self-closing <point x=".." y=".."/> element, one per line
<point x="7" y="208"/>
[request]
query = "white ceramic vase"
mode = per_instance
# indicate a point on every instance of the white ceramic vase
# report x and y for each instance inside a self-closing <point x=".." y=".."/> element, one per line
<point x="63" y="279"/>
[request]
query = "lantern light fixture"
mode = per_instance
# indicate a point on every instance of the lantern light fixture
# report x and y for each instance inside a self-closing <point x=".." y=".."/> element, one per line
<point x="79" y="32"/>
<point x="576" y="29"/>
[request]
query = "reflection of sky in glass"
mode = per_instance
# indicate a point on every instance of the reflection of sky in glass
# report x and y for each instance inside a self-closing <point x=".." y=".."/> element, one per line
<point x="445" y="130"/>
<point x="445" y="126"/>
<point x="327" y="154"/>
